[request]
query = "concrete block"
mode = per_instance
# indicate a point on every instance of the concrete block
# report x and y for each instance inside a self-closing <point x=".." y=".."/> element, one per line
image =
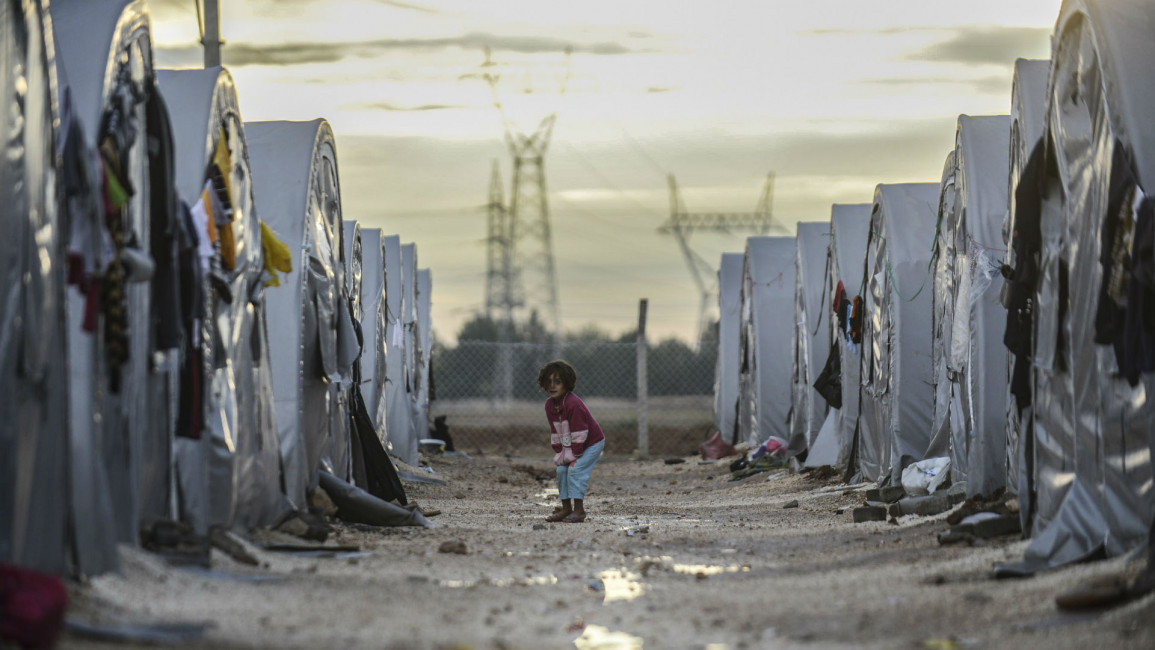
<point x="869" y="513"/>
<point x="925" y="506"/>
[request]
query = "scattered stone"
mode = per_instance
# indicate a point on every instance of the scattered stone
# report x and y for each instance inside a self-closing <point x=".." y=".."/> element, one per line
<point x="321" y="503"/>
<point x="452" y="546"/>
<point x="925" y="506"/>
<point x="675" y="461"/>
<point x="869" y="513"/>
<point x="983" y="528"/>
<point x="791" y="504"/>
<point x="888" y="494"/>
<point x="459" y="495"/>
<point x="540" y="526"/>
<point x="502" y="479"/>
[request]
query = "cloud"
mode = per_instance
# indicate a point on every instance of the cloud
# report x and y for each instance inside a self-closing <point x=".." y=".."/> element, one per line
<point x="241" y="54"/>
<point x="388" y="106"/>
<point x="989" y="45"/>
<point x="988" y="85"/>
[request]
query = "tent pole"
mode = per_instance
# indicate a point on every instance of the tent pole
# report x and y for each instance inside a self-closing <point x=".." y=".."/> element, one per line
<point x="212" y="38"/>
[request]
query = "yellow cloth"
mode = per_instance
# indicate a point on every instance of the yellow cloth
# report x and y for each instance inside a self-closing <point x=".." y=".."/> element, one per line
<point x="224" y="162"/>
<point x="210" y="226"/>
<point x="277" y="256"/>
<point x="228" y="247"/>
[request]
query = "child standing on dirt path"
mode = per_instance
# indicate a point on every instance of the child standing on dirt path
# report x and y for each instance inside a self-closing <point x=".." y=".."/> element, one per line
<point x="575" y="436"/>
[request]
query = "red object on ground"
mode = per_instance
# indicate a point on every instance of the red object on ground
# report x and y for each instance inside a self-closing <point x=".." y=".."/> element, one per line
<point x="32" y="606"/>
<point x="716" y="448"/>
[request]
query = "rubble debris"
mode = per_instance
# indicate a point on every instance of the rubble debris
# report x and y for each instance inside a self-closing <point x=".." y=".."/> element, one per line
<point x="888" y="494"/>
<point x="926" y="506"/>
<point x="869" y="513"/>
<point x="453" y="546"/>
<point x="791" y="504"/>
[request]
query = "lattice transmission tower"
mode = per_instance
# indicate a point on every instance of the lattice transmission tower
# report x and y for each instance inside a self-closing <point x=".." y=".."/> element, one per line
<point x="682" y="224"/>
<point x="522" y="273"/>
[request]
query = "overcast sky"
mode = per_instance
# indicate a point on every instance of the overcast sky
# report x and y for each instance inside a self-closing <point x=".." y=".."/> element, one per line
<point x="833" y="96"/>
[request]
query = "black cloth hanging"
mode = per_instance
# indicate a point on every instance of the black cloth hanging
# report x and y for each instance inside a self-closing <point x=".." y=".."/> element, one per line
<point x="829" y="381"/>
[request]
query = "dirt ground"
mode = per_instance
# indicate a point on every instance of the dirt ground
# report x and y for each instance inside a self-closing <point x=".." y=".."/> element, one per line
<point x="672" y="556"/>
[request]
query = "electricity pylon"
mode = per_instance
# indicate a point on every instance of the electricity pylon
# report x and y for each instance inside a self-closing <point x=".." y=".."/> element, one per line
<point x="501" y="296"/>
<point x="682" y="224"/>
<point x="532" y="272"/>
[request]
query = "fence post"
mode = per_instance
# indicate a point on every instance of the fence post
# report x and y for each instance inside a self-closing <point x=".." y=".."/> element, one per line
<point x="643" y="384"/>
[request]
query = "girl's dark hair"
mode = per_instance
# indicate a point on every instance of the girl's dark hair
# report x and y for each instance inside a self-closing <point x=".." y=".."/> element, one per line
<point x="565" y="373"/>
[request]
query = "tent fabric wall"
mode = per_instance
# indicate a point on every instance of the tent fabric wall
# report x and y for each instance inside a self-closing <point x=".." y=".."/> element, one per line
<point x="767" y="285"/>
<point x="849" y="226"/>
<point x="374" y="320"/>
<point x="393" y="412"/>
<point x="728" y="368"/>
<point x="811" y="343"/>
<point x="1028" y="112"/>
<point x="229" y="477"/>
<point x="1092" y="427"/>
<point x="34" y="444"/>
<point x="119" y="425"/>
<point x="897" y="398"/>
<point x="421" y="415"/>
<point x="297" y="188"/>
<point x="968" y="319"/>
<point x="405" y="447"/>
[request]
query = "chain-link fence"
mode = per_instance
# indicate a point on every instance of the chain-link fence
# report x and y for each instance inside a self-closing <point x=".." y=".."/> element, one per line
<point x="488" y="392"/>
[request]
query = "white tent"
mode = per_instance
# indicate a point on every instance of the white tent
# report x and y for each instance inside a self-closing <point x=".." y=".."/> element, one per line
<point x="405" y="447"/>
<point x="121" y="332"/>
<point x="728" y="365"/>
<point x="34" y="444"/>
<point x="424" y="352"/>
<point x="810" y="342"/>
<point x="897" y="398"/>
<point x="298" y="191"/>
<point x="849" y="225"/>
<point x="353" y="267"/>
<point x="393" y="411"/>
<point x="968" y="317"/>
<point x="231" y="475"/>
<point x="767" y="287"/>
<point x="1082" y="201"/>
<point x="374" y="319"/>
<point x="1028" y="111"/>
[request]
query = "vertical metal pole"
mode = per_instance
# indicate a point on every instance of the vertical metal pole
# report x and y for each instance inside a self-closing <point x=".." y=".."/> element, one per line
<point x="212" y="38"/>
<point x="643" y="384"/>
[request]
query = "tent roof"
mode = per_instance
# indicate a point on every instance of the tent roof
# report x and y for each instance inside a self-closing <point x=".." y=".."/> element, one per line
<point x="983" y="157"/>
<point x="196" y="99"/>
<point x="849" y="226"/>
<point x="88" y="36"/>
<point x="1029" y="99"/>
<point x="907" y="213"/>
<point x="813" y="238"/>
<point x="282" y="156"/>
<point x="1121" y="30"/>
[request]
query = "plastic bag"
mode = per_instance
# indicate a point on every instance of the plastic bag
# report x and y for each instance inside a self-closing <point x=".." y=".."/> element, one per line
<point x="925" y="476"/>
<point x="774" y="447"/>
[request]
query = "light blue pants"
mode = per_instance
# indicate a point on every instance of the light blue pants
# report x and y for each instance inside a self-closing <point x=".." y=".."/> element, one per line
<point x="573" y="481"/>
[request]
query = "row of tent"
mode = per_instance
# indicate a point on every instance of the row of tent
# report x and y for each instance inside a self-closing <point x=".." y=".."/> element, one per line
<point x="1003" y="318"/>
<point x="190" y="328"/>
